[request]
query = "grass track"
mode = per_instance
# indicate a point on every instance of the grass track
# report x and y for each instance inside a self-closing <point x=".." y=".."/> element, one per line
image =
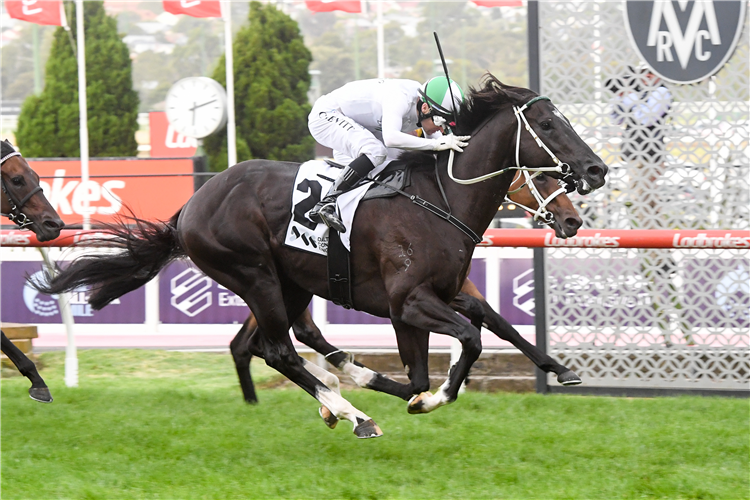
<point x="158" y="425"/>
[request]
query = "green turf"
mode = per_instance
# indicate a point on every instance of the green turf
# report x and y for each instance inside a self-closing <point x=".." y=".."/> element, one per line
<point x="156" y="425"/>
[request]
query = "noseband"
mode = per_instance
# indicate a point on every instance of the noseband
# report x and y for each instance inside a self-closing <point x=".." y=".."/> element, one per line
<point x="15" y="215"/>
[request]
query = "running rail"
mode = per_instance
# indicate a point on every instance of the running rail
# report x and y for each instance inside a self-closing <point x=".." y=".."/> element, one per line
<point x="532" y="238"/>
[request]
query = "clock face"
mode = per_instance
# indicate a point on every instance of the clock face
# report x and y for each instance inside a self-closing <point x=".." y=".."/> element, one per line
<point x="196" y="106"/>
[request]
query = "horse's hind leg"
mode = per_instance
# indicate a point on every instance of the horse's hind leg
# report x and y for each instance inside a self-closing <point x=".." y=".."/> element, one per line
<point x="239" y="346"/>
<point x="465" y="303"/>
<point x="38" y="391"/>
<point x="273" y="305"/>
<point x="309" y="334"/>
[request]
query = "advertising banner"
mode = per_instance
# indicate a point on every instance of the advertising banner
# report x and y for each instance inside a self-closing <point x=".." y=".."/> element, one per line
<point x="186" y="295"/>
<point x="166" y="142"/>
<point x="114" y="186"/>
<point x="22" y="304"/>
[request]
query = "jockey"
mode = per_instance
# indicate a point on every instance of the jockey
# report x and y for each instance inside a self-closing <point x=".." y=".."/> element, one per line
<point x="368" y="122"/>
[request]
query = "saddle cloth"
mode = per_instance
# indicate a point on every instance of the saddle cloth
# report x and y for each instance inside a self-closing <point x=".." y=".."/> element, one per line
<point x="314" y="179"/>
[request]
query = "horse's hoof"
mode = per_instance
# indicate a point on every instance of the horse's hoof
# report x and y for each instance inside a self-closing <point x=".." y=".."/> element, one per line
<point x="367" y="429"/>
<point x="329" y="418"/>
<point x="569" y="378"/>
<point x="40" y="394"/>
<point x="416" y="403"/>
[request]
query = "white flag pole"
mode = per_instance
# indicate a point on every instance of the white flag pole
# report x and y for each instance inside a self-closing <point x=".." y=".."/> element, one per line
<point x="229" y="59"/>
<point x="381" y="41"/>
<point x="82" y="110"/>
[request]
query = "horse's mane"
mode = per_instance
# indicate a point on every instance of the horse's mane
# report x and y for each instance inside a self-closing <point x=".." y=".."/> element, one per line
<point x="479" y="104"/>
<point x="6" y="148"/>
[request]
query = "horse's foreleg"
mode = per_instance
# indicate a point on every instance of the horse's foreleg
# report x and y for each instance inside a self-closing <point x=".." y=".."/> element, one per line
<point x="466" y="304"/>
<point x="39" y="390"/>
<point x="424" y="310"/>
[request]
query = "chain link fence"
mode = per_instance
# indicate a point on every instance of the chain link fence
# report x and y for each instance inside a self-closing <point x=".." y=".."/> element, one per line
<point x="650" y="318"/>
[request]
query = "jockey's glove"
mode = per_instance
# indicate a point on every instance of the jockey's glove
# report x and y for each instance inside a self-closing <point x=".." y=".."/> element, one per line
<point x="454" y="142"/>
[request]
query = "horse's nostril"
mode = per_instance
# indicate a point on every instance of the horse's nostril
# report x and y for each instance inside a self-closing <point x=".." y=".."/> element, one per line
<point x="573" y="223"/>
<point x="594" y="171"/>
<point x="54" y="224"/>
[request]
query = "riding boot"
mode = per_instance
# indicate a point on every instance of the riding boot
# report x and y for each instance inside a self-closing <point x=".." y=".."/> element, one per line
<point x="325" y="210"/>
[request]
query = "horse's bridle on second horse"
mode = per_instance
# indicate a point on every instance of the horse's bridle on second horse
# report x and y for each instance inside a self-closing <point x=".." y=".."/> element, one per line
<point x="15" y="215"/>
<point x="567" y="184"/>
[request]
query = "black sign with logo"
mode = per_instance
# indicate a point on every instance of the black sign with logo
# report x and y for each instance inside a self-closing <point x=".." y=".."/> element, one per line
<point x="685" y="41"/>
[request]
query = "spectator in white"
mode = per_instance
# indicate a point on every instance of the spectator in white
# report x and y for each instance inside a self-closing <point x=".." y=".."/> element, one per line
<point x="368" y="122"/>
<point x="642" y="102"/>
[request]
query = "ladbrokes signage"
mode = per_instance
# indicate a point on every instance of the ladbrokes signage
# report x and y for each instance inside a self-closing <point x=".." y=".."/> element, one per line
<point x="114" y="185"/>
<point x="685" y="41"/>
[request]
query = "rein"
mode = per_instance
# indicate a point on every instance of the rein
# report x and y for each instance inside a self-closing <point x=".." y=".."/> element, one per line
<point x="15" y="215"/>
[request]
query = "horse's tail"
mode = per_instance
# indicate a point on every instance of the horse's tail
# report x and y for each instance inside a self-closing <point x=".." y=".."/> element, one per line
<point x="144" y="249"/>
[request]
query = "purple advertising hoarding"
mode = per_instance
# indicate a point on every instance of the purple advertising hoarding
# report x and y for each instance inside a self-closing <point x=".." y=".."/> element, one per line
<point x="186" y="295"/>
<point x="23" y="304"/>
<point x="517" y="291"/>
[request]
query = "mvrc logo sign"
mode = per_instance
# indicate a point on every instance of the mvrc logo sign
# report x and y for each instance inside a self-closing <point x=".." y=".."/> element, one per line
<point x="685" y="41"/>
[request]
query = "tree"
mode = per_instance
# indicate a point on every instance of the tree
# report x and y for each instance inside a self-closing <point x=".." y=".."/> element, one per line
<point x="49" y="123"/>
<point x="271" y="81"/>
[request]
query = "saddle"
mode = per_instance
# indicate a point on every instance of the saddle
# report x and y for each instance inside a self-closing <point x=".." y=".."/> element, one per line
<point x="393" y="178"/>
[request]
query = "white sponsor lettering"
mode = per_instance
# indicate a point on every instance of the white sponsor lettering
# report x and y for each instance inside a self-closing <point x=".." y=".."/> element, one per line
<point x="230" y="299"/>
<point x="188" y="3"/>
<point x="705" y="241"/>
<point x="27" y="10"/>
<point x="684" y="43"/>
<point x="175" y="140"/>
<point x="68" y="197"/>
<point x="596" y="241"/>
<point x="15" y="238"/>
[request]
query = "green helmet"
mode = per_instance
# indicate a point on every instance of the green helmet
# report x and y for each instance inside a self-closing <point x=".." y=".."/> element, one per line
<point x="437" y="96"/>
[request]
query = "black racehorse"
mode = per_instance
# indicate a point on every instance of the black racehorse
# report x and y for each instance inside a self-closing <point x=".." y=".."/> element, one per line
<point x="233" y="229"/>
<point x="24" y="203"/>
<point x="542" y="196"/>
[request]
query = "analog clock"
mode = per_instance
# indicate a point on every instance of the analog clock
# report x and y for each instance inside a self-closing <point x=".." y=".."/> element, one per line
<point x="196" y="106"/>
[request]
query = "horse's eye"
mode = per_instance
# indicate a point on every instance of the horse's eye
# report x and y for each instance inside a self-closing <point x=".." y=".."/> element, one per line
<point x="546" y="125"/>
<point x="542" y="177"/>
<point x="17" y="180"/>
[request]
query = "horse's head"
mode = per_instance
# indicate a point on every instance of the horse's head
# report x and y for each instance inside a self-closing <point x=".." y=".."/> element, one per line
<point x="542" y="139"/>
<point x="22" y="199"/>
<point x="564" y="217"/>
<point x="548" y="139"/>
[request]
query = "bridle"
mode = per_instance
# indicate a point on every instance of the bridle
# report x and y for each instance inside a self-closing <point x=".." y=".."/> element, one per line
<point x="567" y="183"/>
<point x="15" y="215"/>
<point x="540" y="213"/>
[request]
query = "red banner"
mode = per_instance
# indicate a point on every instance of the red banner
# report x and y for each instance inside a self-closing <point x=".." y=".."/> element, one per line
<point x="48" y="12"/>
<point x="586" y="238"/>
<point x="195" y="8"/>
<point x="165" y="141"/>
<point x="353" y="6"/>
<point x="498" y="3"/>
<point x="115" y="185"/>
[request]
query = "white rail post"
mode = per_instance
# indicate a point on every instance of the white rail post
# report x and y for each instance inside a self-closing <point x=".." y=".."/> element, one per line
<point x="71" y="353"/>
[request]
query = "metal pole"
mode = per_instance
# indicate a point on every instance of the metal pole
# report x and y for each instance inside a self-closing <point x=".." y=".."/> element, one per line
<point x="71" y="353"/>
<point x="532" y="32"/>
<point x="540" y="295"/>
<point x="83" y="111"/>
<point x="229" y="59"/>
<point x="381" y="41"/>
<point x="37" y="60"/>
